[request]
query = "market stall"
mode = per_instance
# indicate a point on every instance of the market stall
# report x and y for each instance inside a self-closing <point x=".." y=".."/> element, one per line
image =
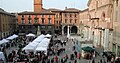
<point x="2" y="56"/>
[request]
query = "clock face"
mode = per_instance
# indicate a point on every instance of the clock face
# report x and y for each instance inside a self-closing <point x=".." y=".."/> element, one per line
<point x="103" y="16"/>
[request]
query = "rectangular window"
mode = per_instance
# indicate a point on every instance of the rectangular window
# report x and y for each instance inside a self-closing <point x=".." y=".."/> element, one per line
<point x="70" y="20"/>
<point x="65" y="20"/>
<point x="43" y="27"/>
<point x="75" y="20"/>
<point x="49" y="21"/>
<point x="49" y="27"/>
<point x="116" y="2"/>
<point x="65" y="15"/>
<point x="60" y="22"/>
<point x="35" y="20"/>
<point x="42" y="16"/>
<point x="56" y="15"/>
<point x="57" y="22"/>
<point x="43" y="20"/>
<point x="75" y="15"/>
<point x="49" y="16"/>
<point x="22" y="16"/>
<point x="3" y="27"/>
<point x="23" y="21"/>
<point x="116" y="16"/>
<point x="70" y="15"/>
<point x="29" y="19"/>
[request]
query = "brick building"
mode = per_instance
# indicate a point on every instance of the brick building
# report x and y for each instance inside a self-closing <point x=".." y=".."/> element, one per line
<point x="41" y="20"/>
<point x="65" y="18"/>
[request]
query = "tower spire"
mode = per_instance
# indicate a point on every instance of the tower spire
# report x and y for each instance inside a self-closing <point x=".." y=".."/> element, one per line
<point x="37" y="5"/>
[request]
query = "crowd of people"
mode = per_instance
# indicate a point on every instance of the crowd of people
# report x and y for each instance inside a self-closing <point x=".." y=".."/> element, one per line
<point x="56" y="52"/>
<point x="55" y="49"/>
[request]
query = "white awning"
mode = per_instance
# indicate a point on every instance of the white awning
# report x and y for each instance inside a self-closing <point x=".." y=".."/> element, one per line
<point x="41" y="49"/>
<point x="2" y="56"/>
<point x="4" y="41"/>
<point x="48" y="35"/>
<point x="12" y="37"/>
<point x="39" y="38"/>
<point x="30" y="35"/>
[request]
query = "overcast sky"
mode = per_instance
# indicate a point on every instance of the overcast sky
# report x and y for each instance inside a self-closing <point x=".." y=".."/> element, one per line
<point x="27" y="5"/>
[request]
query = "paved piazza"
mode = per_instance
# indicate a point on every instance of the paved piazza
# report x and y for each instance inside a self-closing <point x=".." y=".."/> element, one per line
<point x="68" y="50"/>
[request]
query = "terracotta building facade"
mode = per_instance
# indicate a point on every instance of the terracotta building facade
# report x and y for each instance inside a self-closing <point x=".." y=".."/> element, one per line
<point x="64" y="18"/>
<point x="70" y="17"/>
<point x="39" y="21"/>
<point x="29" y="22"/>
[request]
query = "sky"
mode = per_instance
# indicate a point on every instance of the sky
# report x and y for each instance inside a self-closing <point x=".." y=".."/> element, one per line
<point x="27" y="5"/>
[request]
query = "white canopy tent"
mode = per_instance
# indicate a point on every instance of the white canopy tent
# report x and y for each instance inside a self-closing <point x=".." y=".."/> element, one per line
<point x="30" y="35"/>
<point x="39" y="38"/>
<point x="12" y="37"/>
<point x="30" y="47"/>
<point x="43" y="45"/>
<point x="45" y="42"/>
<point x="39" y="44"/>
<point x="2" y="56"/>
<point x="4" y="41"/>
<point x="48" y="35"/>
<point x="41" y="49"/>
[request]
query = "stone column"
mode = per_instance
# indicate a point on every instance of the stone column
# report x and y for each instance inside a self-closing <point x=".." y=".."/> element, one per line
<point x="90" y="34"/>
<point x="116" y="50"/>
<point x="68" y="31"/>
<point x="106" y="40"/>
<point x="102" y="38"/>
<point x="62" y="30"/>
<point x="38" y="31"/>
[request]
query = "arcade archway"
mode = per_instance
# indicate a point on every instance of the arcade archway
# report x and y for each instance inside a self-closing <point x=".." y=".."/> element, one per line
<point x="65" y="30"/>
<point x="74" y="29"/>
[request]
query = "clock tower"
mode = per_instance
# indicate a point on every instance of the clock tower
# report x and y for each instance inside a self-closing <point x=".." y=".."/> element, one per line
<point x="37" y="5"/>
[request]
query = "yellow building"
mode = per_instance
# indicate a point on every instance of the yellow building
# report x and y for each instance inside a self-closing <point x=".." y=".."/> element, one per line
<point x="7" y="24"/>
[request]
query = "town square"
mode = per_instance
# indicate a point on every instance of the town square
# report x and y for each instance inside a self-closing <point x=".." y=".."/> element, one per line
<point x="78" y="31"/>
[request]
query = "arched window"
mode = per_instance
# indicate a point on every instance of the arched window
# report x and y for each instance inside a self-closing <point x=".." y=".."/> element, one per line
<point x="103" y="16"/>
<point x="116" y="2"/>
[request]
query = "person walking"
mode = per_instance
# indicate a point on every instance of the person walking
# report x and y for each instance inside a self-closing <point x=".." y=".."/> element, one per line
<point x="112" y="59"/>
<point x="79" y="55"/>
<point x="61" y="60"/>
<point x="93" y="61"/>
<point x="100" y="60"/>
<point x="75" y="61"/>
<point x="56" y="58"/>
<point x="75" y="53"/>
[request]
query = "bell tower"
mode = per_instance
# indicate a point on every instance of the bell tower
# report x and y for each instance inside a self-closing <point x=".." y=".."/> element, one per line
<point x="37" y="5"/>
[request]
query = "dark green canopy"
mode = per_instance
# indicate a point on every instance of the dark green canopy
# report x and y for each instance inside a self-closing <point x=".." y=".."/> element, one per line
<point x="88" y="49"/>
